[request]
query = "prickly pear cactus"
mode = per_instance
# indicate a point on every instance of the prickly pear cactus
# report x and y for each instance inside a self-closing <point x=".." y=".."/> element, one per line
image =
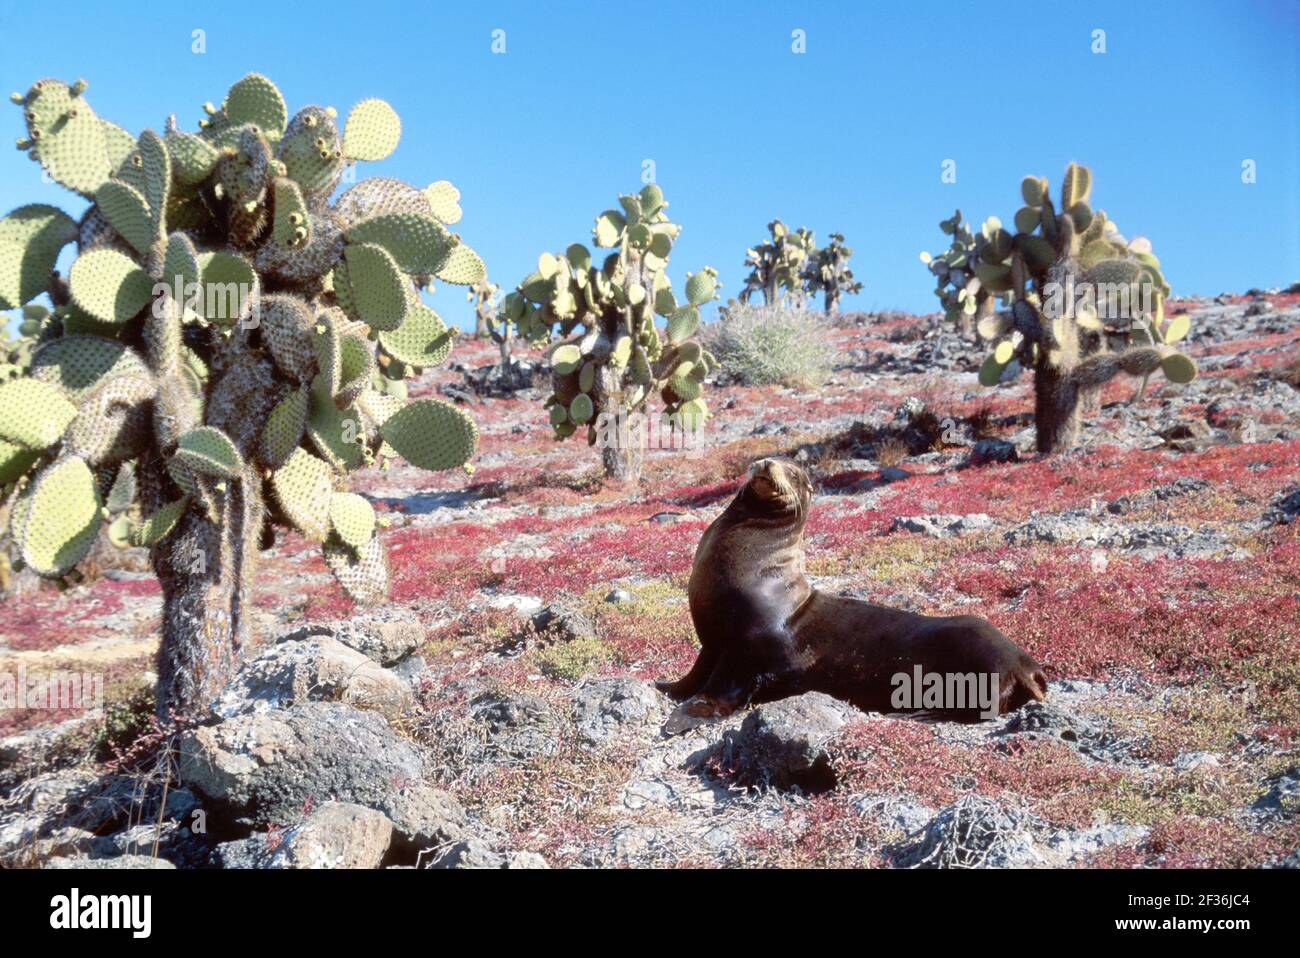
<point x="778" y="264"/>
<point x="827" y="271"/>
<point x="228" y="344"/>
<point x="608" y="355"/>
<point x="1081" y="304"/>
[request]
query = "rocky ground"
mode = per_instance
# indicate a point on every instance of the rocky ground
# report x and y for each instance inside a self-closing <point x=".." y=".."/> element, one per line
<point x="501" y="712"/>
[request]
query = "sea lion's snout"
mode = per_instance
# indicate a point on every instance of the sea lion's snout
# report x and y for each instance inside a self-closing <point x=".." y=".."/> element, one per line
<point x="778" y="482"/>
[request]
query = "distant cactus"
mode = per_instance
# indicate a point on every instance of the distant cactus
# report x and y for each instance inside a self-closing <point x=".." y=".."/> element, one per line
<point x="827" y="271"/>
<point x="226" y="346"/>
<point x="1082" y="303"/>
<point x="483" y="296"/>
<point x="778" y="265"/>
<point x="608" y="353"/>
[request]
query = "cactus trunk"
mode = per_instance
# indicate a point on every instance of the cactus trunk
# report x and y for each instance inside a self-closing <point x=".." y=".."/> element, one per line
<point x="1056" y="407"/>
<point x="206" y="572"/>
<point x="624" y="458"/>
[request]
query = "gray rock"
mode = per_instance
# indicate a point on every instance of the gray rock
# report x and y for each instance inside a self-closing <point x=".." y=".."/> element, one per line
<point x="1090" y="736"/>
<point x="272" y="764"/>
<point x="122" y="862"/>
<point x="1182" y="486"/>
<point x="562" y="623"/>
<point x="28" y="840"/>
<point x="411" y="670"/>
<point x="1195" y="761"/>
<point x="1282" y="799"/>
<point x="386" y="642"/>
<point x="244" y="854"/>
<point x="894" y="811"/>
<point x="1075" y="846"/>
<point x="1147" y="539"/>
<point x="336" y="835"/>
<point x="604" y="707"/>
<point x="318" y="669"/>
<point x="987" y="451"/>
<point x="783" y="744"/>
<point x="45" y="749"/>
<point x="648" y="793"/>
<point x="176" y="842"/>
<point x="619" y="596"/>
<point x="942" y="526"/>
<point x="1284" y="509"/>
<point x="424" y="817"/>
<point x="476" y="853"/>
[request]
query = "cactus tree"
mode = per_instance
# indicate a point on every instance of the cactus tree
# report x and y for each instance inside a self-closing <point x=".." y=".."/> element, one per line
<point x="828" y="271"/>
<point x="609" y="357"/>
<point x="778" y="264"/>
<point x="1082" y="304"/>
<point x="219" y="351"/>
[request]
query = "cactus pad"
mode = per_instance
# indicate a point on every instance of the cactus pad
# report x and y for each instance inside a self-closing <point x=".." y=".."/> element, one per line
<point x="444" y="200"/>
<point x="335" y="433"/>
<point x="372" y="131"/>
<point x="77" y="364"/>
<point x="256" y="100"/>
<point x="283" y="430"/>
<point x="128" y="212"/>
<point x="1178" y="368"/>
<point x="193" y="158"/>
<point x="288" y="331"/>
<point x="422" y="340"/>
<point x="352" y="518"/>
<point x="15" y="460"/>
<point x="303" y="487"/>
<point x="463" y="267"/>
<point x="377" y="289"/>
<point x="109" y="286"/>
<point x="159" y="525"/>
<point x="292" y="226"/>
<point x="31" y="238"/>
<point x="208" y="451"/>
<point x="62" y="518"/>
<point x="33" y="413"/>
<point x="417" y="242"/>
<point x="113" y="423"/>
<point x="72" y="143"/>
<point x="364" y="576"/>
<point x="431" y="434"/>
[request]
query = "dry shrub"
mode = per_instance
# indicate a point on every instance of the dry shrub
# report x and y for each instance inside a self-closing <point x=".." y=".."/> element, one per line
<point x="760" y="345"/>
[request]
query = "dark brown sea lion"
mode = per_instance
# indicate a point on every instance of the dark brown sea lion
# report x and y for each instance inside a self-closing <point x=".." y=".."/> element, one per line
<point x="765" y="633"/>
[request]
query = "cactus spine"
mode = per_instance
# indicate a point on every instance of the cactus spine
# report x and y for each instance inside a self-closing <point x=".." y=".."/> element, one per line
<point x="232" y="340"/>
<point x="1082" y="304"/>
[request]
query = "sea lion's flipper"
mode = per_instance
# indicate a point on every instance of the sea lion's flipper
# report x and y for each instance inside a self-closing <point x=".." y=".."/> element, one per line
<point x="694" y="680"/>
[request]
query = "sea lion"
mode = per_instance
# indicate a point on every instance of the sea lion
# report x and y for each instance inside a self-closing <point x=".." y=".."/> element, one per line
<point x="765" y="633"/>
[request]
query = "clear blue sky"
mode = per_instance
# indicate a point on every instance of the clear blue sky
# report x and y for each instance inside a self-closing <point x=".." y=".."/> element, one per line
<point x="849" y="136"/>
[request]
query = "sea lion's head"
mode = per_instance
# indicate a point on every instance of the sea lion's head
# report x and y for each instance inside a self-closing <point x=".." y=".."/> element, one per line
<point x="777" y="487"/>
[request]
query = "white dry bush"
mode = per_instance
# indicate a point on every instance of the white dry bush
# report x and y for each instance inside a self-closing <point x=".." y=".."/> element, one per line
<point x="771" y="344"/>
